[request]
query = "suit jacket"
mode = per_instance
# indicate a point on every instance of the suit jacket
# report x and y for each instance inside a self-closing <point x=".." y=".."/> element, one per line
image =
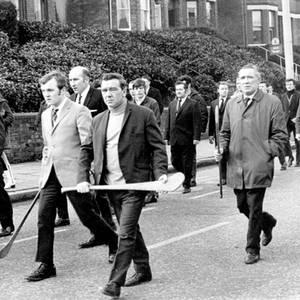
<point x="203" y="108"/>
<point x="292" y="108"/>
<point x="185" y="126"/>
<point x="212" y="122"/>
<point x="153" y="105"/>
<point x="62" y="142"/>
<point x="93" y="101"/>
<point x="156" y="95"/>
<point x="141" y="147"/>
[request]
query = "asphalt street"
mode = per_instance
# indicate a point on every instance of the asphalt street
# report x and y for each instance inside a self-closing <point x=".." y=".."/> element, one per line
<point x="196" y="243"/>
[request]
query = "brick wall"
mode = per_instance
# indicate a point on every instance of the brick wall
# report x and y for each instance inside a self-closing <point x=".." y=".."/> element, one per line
<point x="24" y="139"/>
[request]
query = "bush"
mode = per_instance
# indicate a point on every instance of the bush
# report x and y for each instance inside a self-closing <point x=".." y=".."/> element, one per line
<point x="8" y="18"/>
<point x="164" y="55"/>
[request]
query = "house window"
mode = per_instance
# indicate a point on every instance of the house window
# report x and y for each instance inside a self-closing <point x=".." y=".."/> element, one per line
<point x="145" y="14"/>
<point x="257" y="26"/>
<point x="157" y="16"/>
<point x="271" y="25"/>
<point x="191" y="13"/>
<point x="123" y="14"/>
<point x="210" y="12"/>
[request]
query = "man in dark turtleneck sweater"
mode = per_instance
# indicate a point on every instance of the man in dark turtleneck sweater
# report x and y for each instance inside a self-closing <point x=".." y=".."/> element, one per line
<point x="293" y="98"/>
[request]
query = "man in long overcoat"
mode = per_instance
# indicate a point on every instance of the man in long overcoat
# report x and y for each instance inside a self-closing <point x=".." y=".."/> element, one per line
<point x="253" y="132"/>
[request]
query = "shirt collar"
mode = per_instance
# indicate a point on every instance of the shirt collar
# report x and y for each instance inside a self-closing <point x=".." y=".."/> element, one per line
<point x="84" y="93"/>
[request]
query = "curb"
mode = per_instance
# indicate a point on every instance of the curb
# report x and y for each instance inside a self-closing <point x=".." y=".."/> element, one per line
<point x="28" y="194"/>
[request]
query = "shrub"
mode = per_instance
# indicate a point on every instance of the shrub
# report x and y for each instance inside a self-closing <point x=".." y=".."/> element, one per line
<point x="164" y="55"/>
<point x="8" y="18"/>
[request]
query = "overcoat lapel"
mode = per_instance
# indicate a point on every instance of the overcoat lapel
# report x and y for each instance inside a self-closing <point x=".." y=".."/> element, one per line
<point x="184" y="105"/>
<point x="64" y="111"/>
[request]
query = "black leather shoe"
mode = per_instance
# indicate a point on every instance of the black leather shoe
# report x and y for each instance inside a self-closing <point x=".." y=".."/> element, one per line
<point x="44" y="271"/>
<point x="267" y="236"/>
<point x="7" y="231"/>
<point x="251" y="258"/>
<point x="61" y="222"/>
<point x="92" y="242"/>
<point x="139" y="278"/>
<point x="112" y="289"/>
<point x="186" y="190"/>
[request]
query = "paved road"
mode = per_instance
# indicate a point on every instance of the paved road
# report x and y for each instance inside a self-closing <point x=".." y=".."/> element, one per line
<point x="196" y="244"/>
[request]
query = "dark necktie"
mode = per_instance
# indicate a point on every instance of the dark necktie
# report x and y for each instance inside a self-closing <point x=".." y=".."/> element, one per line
<point x="53" y="116"/>
<point x="79" y="98"/>
<point x="246" y="101"/>
<point x="221" y="104"/>
<point x="178" y="104"/>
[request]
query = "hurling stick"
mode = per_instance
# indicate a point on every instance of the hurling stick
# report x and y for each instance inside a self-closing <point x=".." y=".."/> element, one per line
<point x="218" y="147"/>
<point x="4" y="251"/>
<point x="173" y="183"/>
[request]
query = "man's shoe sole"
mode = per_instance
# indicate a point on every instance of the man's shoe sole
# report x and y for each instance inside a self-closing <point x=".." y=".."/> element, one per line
<point x="34" y="279"/>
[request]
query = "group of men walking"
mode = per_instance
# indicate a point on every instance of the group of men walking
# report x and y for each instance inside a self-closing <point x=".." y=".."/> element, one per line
<point x="121" y="141"/>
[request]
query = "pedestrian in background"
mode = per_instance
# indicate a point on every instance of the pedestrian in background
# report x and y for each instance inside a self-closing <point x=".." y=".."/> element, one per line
<point x="253" y="131"/>
<point x="293" y="98"/>
<point x="221" y="102"/>
<point x="6" y="210"/>
<point x="183" y="131"/>
<point x="194" y="95"/>
<point x="128" y="150"/>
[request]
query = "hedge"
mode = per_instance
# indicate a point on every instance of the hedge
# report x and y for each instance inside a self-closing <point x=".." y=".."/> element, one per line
<point x="164" y="55"/>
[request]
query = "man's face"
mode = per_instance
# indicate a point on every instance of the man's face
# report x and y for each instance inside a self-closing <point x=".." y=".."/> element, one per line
<point x="289" y="85"/>
<point x="263" y="87"/>
<point x="180" y="91"/>
<point x="140" y="92"/>
<point x="78" y="81"/>
<point x="51" y="93"/>
<point x="223" y="90"/>
<point x="112" y="93"/>
<point x="249" y="81"/>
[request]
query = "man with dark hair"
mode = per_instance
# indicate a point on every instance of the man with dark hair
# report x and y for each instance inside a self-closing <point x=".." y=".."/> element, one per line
<point x="221" y="104"/>
<point x="153" y="92"/>
<point x="293" y="98"/>
<point x="128" y="150"/>
<point x="65" y="127"/>
<point x="252" y="134"/>
<point x="183" y="131"/>
<point x="194" y="95"/>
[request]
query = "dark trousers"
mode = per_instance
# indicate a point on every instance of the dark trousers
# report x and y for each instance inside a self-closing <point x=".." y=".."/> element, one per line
<point x="194" y="167"/>
<point x="62" y="207"/>
<point x="285" y="151"/>
<point x="103" y="206"/>
<point x="6" y="211"/>
<point x="83" y="206"/>
<point x="182" y="160"/>
<point x="292" y="130"/>
<point x="250" y="203"/>
<point x="128" y="206"/>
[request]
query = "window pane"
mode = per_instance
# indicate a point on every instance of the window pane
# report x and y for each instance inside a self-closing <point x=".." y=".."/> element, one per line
<point x="123" y="4"/>
<point x="123" y="22"/>
<point x="271" y="19"/>
<point x="256" y="18"/>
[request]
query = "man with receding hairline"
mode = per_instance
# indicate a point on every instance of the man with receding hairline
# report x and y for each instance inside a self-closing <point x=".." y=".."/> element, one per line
<point x="252" y="134"/>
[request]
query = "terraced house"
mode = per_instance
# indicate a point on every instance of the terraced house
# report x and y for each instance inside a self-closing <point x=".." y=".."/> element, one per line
<point x="121" y="14"/>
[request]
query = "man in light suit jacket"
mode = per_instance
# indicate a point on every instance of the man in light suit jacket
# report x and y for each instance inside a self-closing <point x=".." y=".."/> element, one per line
<point x="221" y="103"/>
<point x="65" y="127"/>
<point x="183" y="131"/>
<point x="126" y="147"/>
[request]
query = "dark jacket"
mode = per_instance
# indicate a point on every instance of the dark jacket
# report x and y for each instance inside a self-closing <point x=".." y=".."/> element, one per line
<point x="153" y="105"/>
<point x="93" y="101"/>
<point x="185" y="126"/>
<point x="156" y="95"/>
<point x="7" y="118"/>
<point x="212" y="120"/>
<point x="252" y="136"/>
<point x="292" y="108"/>
<point x="141" y="147"/>
<point x="203" y="108"/>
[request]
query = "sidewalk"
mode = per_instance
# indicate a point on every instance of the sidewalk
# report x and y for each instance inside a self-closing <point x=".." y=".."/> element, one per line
<point x="27" y="174"/>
